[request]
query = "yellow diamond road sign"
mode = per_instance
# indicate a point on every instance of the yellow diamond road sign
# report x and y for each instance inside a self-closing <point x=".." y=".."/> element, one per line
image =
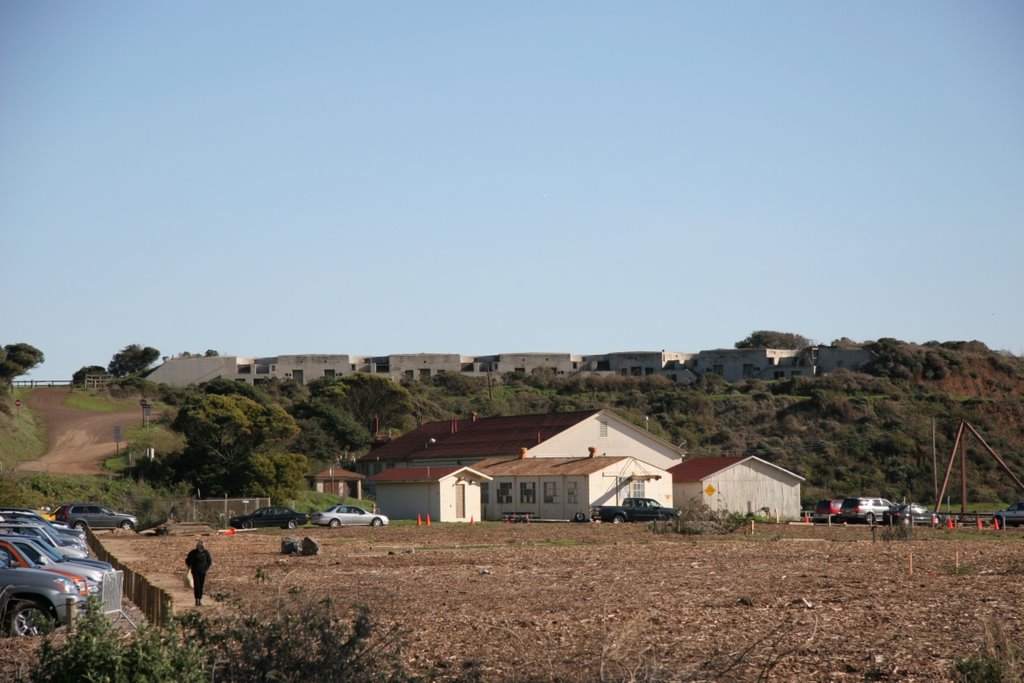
<point x="710" y="490"/>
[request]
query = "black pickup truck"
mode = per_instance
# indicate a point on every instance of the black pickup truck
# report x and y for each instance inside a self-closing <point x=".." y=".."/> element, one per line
<point x="632" y="510"/>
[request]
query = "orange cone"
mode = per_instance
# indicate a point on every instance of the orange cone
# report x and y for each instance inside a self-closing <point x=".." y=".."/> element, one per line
<point x="949" y="523"/>
<point x="428" y="519"/>
<point x="995" y="523"/>
<point x="419" y="520"/>
<point x="981" y="525"/>
<point x="471" y="520"/>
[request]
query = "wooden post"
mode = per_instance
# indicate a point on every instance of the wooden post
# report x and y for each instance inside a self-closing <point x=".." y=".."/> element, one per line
<point x="69" y="605"/>
<point x="911" y="564"/>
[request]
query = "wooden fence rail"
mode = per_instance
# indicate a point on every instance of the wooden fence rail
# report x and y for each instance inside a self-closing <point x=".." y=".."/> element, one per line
<point x="154" y="602"/>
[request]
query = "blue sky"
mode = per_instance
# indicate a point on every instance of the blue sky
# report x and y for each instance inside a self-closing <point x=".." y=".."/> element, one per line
<point x="371" y="178"/>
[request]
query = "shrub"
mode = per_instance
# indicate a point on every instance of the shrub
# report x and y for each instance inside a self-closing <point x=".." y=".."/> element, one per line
<point x="97" y="651"/>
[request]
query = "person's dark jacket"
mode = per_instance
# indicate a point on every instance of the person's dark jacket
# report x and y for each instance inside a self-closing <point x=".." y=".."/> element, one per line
<point x="199" y="561"/>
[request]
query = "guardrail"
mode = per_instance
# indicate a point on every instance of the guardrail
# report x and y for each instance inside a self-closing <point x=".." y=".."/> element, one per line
<point x="41" y="383"/>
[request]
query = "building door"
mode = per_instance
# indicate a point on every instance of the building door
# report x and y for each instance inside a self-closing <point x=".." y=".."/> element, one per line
<point x="460" y="501"/>
<point x="297" y="376"/>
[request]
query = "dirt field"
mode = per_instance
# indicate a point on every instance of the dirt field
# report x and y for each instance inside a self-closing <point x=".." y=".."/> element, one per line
<point x="585" y="602"/>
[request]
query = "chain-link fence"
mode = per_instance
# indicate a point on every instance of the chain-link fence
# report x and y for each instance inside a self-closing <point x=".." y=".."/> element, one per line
<point x="152" y="512"/>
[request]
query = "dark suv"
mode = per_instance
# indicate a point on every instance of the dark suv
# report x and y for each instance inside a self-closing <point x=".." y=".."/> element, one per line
<point x="868" y="510"/>
<point x="94" y="516"/>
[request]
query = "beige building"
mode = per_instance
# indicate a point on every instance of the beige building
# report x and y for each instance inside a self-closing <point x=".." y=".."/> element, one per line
<point x="731" y="364"/>
<point x="458" y="443"/>
<point x="566" y="488"/>
<point x="444" y="494"/>
<point x="745" y="485"/>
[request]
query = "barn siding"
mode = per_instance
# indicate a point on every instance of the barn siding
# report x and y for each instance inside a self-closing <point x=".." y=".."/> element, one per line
<point x="747" y="487"/>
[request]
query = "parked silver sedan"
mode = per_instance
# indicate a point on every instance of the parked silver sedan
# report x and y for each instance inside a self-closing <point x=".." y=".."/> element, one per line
<point x="348" y="515"/>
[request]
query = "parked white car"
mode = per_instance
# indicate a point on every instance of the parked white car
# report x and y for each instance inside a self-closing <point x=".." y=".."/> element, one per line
<point x="348" y="515"/>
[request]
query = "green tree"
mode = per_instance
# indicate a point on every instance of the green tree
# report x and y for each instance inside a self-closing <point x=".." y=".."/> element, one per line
<point x="17" y="359"/>
<point x="373" y="402"/>
<point x="224" y="437"/>
<point x="767" y="339"/>
<point x="132" y="359"/>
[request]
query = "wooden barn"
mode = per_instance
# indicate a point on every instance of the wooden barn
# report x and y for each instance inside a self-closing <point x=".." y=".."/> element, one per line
<point x="747" y="485"/>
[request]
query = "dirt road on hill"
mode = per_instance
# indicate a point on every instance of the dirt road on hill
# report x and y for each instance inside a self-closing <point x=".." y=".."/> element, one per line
<point x="79" y="440"/>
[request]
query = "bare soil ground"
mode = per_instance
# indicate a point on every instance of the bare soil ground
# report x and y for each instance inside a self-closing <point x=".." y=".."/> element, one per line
<point x="79" y="440"/>
<point x="585" y="602"/>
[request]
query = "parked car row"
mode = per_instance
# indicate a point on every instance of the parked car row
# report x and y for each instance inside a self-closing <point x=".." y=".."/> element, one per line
<point x="287" y="518"/>
<point x="870" y="510"/>
<point x="45" y="571"/>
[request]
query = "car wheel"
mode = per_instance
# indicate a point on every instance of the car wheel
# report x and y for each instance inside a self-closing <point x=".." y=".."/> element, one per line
<point x="870" y="519"/>
<point x="377" y="521"/>
<point x="127" y="525"/>
<point x="79" y="525"/>
<point x="618" y="519"/>
<point x="247" y="524"/>
<point x="28" y="618"/>
<point x="334" y="524"/>
<point x="580" y="517"/>
<point x="292" y="524"/>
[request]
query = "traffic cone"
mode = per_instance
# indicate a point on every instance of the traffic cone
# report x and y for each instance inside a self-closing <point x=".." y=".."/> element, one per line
<point x="419" y="520"/>
<point x="428" y="519"/>
<point x="949" y="522"/>
<point x="995" y="523"/>
<point x="471" y="522"/>
<point x="981" y="525"/>
<point x="935" y="519"/>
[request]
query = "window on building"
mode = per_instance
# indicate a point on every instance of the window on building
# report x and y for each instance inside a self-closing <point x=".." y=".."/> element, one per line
<point x="571" y="492"/>
<point x="551" y="492"/>
<point x="504" y="493"/>
<point x="527" y="492"/>
<point x="748" y="369"/>
<point x="328" y="373"/>
<point x="244" y="369"/>
<point x="636" y="488"/>
<point x="604" y="429"/>
<point x="718" y="369"/>
<point x="485" y="493"/>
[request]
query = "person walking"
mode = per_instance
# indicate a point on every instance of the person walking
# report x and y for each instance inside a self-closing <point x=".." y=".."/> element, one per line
<point x="198" y="561"/>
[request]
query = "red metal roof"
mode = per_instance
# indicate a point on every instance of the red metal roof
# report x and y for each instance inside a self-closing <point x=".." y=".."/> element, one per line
<point x="338" y="473"/>
<point x="510" y="467"/>
<point x="696" y="469"/>
<point x="485" y="437"/>
<point x="413" y="474"/>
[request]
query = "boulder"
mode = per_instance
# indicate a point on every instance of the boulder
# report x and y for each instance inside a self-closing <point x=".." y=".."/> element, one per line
<point x="290" y="546"/>
<point x="310" y="546"/>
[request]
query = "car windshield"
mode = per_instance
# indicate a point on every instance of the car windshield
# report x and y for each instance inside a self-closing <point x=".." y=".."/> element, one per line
<point x="33" y="552"/>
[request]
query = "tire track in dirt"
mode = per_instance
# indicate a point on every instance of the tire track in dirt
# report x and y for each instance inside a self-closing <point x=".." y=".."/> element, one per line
<point x="78" y="440"/>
